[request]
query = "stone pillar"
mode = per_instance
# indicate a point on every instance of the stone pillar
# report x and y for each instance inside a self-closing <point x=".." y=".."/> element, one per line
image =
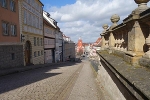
<point x="105" y="26"/>
<point x="119" y="44"/>
<point x="136" y="37"/>
<point x="103" y="41"/>
<point x="114" y="19"/>
<point x="116" y="43"/>
<point x="111" y="40"/>
<point x="107" y="44"/>
<point x="122" y="43"/>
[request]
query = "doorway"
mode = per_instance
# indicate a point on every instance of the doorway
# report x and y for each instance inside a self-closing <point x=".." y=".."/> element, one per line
<point x="27" y="52"/>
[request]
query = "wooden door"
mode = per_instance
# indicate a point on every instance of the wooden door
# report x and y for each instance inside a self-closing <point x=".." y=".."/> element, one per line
<point x="27" y="53"/>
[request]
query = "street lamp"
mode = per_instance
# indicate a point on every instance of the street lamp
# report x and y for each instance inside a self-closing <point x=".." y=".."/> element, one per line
<point x="22" y="37"/>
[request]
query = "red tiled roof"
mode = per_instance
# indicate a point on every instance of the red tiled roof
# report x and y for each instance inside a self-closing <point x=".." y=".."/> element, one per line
<point x="97" y="43"/>
<point x="98" y="40"/>
<point x="85" y="44"/>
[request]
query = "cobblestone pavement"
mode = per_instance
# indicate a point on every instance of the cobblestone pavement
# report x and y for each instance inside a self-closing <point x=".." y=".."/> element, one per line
<point x="72" y="81"/>
<point x="38" y="84"/>
<point x="85" y="87"/>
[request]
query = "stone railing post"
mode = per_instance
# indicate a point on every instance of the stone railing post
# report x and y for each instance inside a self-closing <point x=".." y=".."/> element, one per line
<point x="105" y="26"/>
<point x="122" y="41"/>
<point x="106" y="44"/>
<point x="103" y="41"/>
<point x="116" y="44"/>
<point x="119" y="44"/>
<point x="114" y="19"/>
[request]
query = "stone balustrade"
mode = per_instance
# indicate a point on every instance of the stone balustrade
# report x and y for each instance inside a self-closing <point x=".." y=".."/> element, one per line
<point x="131" y="37"/>
<point x="125" y="55"/>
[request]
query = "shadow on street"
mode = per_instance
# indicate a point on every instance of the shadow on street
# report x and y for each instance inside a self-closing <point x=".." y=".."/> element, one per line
<point x="14" y="81"/>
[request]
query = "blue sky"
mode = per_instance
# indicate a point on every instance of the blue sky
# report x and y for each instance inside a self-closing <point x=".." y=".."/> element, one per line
<point x="56" y="3"/>
<point x="85" y="18"/>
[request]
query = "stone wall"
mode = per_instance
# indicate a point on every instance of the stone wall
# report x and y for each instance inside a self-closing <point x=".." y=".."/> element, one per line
<point x="122" y="81"/>
<point x="69" y="50"/>
<point x="11" y="56"/>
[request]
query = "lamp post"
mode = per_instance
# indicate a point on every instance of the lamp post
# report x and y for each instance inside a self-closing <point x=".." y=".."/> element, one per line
<point x="22" y="37"/>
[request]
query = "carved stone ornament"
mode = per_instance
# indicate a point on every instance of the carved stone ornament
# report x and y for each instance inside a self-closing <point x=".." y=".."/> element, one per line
<point x="114" y="19"/>
<point x="142" y="6"/>
<point x="105" y="26"/>
<point x="141" y="1"/>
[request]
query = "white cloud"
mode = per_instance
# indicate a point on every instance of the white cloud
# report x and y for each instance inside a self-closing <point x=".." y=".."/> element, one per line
<point x="85" y="18"/>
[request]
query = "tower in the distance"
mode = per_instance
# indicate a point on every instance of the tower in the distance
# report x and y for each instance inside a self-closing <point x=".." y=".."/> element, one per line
<point x="79" y="47"/>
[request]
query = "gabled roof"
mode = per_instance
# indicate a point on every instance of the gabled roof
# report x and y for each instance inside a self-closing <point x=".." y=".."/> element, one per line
<point x="48" y="19"/>
<point x="98" y="42"/>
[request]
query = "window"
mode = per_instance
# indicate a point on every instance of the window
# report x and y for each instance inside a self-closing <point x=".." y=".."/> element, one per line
<point x="30" y="20"/>
<point x="33" y="21"/>
<point x="28" y="1"/>
<point x="41" y="52"/>
<point x="38" y="41"/>
<point x="12" y="56"/>
<point x="28" y="16"/>
<point x="5" y="26"/>
<point x="25" y="17"/>
<point x="12" y="5"/>
<point x="41" y="24"/>
<point x="35" y="54"/>
<point x="34" y="41"/>
<point x="38" y="53"/>
<point x="13" y="30"/>
<point x="41" y="41"/>
<point x="3" y="3"/>
<point x="48" y="42"/>
<point x="37" y="21"/>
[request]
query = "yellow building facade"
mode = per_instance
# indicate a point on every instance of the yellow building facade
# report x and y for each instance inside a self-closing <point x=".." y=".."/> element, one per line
<point x="31" y="30"/>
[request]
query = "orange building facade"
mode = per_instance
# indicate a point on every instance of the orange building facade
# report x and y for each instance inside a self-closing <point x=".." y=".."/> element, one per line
<point x="9" y="21"/>
<point x="11" y="50"/>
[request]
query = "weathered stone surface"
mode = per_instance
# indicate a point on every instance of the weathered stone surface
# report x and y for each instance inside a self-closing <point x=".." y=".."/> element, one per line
<point x="119" y="53"/>
<point x="111" y="40"/>
<point x="144" y="62"/>
<point x="131" y="60"/>
<point x="11" y="56"/>
<point x="136" y="37"/>
<point x="135" y="78"/>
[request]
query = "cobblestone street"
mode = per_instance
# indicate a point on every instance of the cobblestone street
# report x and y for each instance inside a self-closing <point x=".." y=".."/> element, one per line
<point x="72" y="81"/>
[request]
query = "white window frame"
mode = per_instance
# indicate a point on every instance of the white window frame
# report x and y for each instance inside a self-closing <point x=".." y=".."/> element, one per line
<point x="4" y="3"/>
<point x="5" y="28"/>
<point x="13" y="30"/>
<point x="12" y="5"/>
